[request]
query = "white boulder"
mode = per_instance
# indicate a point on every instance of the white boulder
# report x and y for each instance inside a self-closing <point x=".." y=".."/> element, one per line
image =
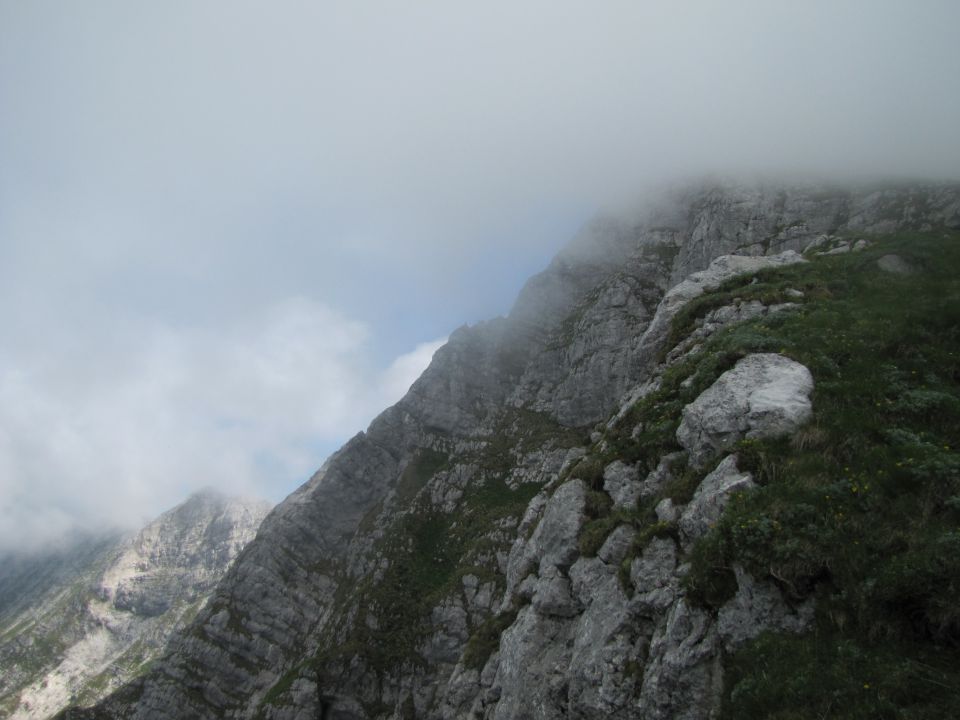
<point x="764" y="395"/>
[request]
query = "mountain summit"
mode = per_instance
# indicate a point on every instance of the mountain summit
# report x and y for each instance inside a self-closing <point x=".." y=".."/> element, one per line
<point x="706" y="438"/>
<point x="80" y="622"/>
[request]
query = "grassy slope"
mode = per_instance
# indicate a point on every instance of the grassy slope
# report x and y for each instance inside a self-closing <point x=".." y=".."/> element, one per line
<point x="862" y="507"/>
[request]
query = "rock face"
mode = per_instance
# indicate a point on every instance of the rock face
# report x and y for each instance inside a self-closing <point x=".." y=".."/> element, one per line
<point x="461" y="558"/>
<point x="711" y="498"/>
<point x="720" y="270"/>
<point x="103" y="610"/>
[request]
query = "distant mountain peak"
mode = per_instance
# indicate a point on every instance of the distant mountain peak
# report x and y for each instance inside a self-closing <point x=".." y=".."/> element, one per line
<point x="97" y="613"/>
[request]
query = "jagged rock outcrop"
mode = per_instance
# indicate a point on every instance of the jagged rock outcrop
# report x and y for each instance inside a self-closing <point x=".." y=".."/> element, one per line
<point x="81" y="633"/>
<point x="464" y="557"/>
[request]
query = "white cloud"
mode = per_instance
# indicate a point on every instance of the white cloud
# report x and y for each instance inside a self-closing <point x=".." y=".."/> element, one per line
<point x="173" y="173"/>
<point x="249" y="408"/>
<point x="398" y="378"/>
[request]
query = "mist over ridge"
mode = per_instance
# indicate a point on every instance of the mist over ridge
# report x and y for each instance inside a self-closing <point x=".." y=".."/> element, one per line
<point x="231" y="234"/>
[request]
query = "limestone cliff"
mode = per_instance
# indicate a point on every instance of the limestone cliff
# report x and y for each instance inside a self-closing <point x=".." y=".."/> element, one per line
<point x="516" y="537"/>
<point x="80" y="622"/>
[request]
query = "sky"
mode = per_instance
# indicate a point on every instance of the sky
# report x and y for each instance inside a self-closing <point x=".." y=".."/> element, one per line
<point x="231" y="232"/>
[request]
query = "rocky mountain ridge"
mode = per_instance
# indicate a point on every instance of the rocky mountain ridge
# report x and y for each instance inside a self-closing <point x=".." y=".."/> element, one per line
<point x="525" y="533"/>
<point x="81" y="622"/>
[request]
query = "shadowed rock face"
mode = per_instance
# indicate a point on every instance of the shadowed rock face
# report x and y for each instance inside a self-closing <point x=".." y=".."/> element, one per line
<point x="85" y="632"/>
<point x="435" y="566"/>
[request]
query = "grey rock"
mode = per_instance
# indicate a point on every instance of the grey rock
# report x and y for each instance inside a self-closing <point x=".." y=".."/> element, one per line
<point x="666" y="511"/>
<point x="449" y="621"/>
<point x="658" y="477"/>
<point x="136" y="592"/>
<point x="632" y="397"/>
<point x="683" y="675"/>
<point x="552" y="596"/>
<point x="717" y="319"/>
<point x="764" y="395"/>
<point x="617" y="545"/>
<point x="756" y="608"/>
<point x="818" y="241"/>
<point x="606" y="640"/>
<point x="586" y="574"/>
<point x="653" y="575"/>
<point x="555" y="541"/>
<point x="895" y="264"/>
<point x="711" y="497"/>
<point x="525" y="589"/>
<point x="622" y="483"/>
<point x="484" y="598"/>
<point x="720" y="270"/>
<point x="571" y="458"/>
<point x="838" y="250"/>
<point x="471" y="583"/>
<point x="530" y="679"/>
<point x="463" y="692"/>
<point x="780" y="307"/>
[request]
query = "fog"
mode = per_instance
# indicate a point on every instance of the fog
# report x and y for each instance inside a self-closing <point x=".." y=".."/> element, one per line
<point x="231" y="232"/>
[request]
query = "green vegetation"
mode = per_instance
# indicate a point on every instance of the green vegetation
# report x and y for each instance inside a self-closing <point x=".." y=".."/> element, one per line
<point x="486" y="639"/>
<point x="281" y="686"/>
<point x="426" y="552"/>
<point x="425" y="464"/>
<point x="862" y="507"/>
<point x="829" y="674"/>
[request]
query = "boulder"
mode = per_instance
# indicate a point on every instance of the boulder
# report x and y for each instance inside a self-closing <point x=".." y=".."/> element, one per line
<point x="757" y="607"/>
<point x="622" y="483"/>
<point x="764" y="395"/>
<point x="895" y="264"/>
<point x="711" y="497"/>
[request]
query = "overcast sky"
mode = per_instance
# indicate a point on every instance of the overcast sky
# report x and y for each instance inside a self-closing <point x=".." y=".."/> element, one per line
<point x="231" y="232"/>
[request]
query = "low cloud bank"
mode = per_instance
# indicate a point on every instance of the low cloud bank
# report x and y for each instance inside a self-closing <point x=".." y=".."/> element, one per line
<point x="251" y="409"/>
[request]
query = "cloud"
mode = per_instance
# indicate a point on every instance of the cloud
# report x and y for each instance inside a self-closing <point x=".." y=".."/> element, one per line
<point x="222" y="223"/>
<point x="398" y="378"/>
<point x="251" y="408"/>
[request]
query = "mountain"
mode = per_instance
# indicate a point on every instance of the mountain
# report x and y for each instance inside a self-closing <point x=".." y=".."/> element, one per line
<point x="81" y="620"/>
<point x="706" y="466"/>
